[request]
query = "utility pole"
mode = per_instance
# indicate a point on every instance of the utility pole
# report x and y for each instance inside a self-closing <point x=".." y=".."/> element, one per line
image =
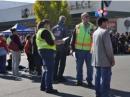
<point x="102" y="7"/>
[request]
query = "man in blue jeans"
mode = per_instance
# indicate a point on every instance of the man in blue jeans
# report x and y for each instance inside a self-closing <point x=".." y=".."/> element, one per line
<point x="102" y="58"/>
<point x="46" y="47"/>
<point x="81" y="44"/>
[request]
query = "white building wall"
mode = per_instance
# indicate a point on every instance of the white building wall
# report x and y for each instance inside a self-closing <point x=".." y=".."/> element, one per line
<point x="83" y="6"/>
<point x="123" y="6"/>
<point x="119" y="6"/>
<point x="120" y="25"/>
<point x="10" y="4"/>
<point x="14" y="14"/>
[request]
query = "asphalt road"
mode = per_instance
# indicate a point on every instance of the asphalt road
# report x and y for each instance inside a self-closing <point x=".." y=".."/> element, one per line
<point x="29" y="85"/>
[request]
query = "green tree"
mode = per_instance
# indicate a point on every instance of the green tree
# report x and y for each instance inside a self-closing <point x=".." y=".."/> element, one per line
<point x="51" y="10"/>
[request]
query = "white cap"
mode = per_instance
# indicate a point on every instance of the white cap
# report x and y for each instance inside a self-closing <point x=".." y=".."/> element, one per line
<point x="84" y="14"/>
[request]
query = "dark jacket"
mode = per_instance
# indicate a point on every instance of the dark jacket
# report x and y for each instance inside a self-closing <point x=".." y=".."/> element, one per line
<point x="60" y="32"/>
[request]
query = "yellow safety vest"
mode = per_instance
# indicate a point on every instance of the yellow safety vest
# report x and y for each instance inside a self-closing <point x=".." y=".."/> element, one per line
<point x="41" y="43"/>
<point x="83" y="36"/>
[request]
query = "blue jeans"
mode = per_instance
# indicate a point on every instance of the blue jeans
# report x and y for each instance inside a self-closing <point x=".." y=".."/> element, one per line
<point x="82" y="56"/>
<point x="102" y="81"/>
<point x="16" y="58"/>
<point x="48" y="58"/>
<point x="3" y="64"/>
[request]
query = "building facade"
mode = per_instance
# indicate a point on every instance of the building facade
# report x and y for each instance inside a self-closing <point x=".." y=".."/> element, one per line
<point x="24" y="14"/>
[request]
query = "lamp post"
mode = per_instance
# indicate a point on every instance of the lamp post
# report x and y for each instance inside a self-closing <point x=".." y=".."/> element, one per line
<point x="102" y="7"/>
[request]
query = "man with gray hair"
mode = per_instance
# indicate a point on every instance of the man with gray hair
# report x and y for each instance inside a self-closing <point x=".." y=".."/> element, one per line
<point x="60" y="32"/>
<point x="62" y="18"/>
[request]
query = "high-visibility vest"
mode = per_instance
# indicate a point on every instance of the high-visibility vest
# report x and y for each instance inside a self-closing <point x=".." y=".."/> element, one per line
<point x="41" y="43"/>
<point x="8" y="40"/>
<point x="83" y="36"/>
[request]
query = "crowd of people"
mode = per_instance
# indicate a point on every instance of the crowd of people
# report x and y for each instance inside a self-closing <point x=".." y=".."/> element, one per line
<point x="121" y="43"/>
<point x="48" y="48"/>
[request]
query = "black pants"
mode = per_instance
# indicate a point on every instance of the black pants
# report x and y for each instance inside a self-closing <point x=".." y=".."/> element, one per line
<point x="9" y="66"/>
<point x="37" y="61"/>
<point x="60" y="62"/>
<point x="30" y="62"/>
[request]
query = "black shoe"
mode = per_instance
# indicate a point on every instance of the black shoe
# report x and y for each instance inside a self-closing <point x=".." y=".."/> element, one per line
<point x="98" y="95"/>
<point x="55" y="81"/>
<point x="42" y="89"/>
<point x="17" y="79"/>
<point x="39" y="74"/>
<point x="5" y="72"/>
<point x="90" y="84"/>
<point x="55" y="78"/>
<point x="51" y="91"/>
<point x="32" y="72"/>
<point x="79" y="83"/>
<point x="62" y="79"/>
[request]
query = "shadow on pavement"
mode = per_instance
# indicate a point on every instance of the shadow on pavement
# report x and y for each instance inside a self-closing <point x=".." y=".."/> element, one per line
<point x="9" y="77"/>
<point x="71" y="81"/>
<point x="36" y="79"/>
<point x="60" y="94"/>
<point x="70" y="77"/>
<point x="120" y="93"/>
<point x="26" y="76"/>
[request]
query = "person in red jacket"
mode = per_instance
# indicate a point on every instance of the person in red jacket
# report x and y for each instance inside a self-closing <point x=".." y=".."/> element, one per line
<point x="28" y="51"/>
<point x="15" y="47"/>
<point x="3" y="53"/>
